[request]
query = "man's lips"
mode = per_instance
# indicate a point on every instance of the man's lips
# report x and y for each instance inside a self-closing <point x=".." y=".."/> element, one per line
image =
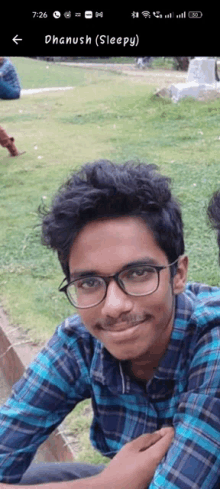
<point x="122" y="334"/>
<point x="123" y="326"/>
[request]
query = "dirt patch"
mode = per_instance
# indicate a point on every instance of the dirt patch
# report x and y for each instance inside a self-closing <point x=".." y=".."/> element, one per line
<point x="30" y="91"/>
<point x="151" y="76"/>
<point x="209" y="95"/>
<point x="162" y="79"/>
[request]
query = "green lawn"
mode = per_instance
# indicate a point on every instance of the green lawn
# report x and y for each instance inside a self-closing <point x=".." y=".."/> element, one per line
<point x="40" y="74"/>
<point x="106" y="115"/>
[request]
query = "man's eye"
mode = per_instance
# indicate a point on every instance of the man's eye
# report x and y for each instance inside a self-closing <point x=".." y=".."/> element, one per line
<point x="88" y="283"/>
<point x="143" y="272"/>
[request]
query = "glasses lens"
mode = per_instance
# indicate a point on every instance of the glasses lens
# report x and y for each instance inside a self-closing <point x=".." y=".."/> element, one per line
<point x="140" y="280"/>
<point x="86" y="292"/>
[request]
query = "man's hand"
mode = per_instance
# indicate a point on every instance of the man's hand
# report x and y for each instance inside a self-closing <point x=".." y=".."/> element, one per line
<point x="134" y="466"/>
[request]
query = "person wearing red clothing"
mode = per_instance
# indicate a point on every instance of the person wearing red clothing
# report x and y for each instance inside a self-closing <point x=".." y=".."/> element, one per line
<point x="8" y="142"/>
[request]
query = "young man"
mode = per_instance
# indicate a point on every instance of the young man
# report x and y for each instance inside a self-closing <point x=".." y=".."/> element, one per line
<point x="145" y="347"/>
<point x="10" y="87"/>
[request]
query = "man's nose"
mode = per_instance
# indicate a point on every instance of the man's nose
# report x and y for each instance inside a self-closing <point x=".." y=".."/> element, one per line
<point x="116" y="301"/>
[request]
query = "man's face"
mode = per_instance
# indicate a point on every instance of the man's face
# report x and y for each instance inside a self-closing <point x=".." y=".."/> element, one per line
<point x="131" y="328"/>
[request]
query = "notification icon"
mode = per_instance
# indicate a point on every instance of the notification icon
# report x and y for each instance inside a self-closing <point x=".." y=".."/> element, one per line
<point x="56" y="14"/>
<point x="67" y="15"/>
<point x="88" y="14"/>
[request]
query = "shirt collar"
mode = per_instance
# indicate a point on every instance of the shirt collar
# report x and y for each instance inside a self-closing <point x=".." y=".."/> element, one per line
<point x="107" y="370"/>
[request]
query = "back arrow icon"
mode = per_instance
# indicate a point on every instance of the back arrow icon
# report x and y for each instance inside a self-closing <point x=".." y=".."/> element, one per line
<point x="15" y="39"/>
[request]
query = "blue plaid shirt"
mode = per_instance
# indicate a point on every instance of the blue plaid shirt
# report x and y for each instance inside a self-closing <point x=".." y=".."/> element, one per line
<point x="184" y="392"/>
<point x="9" y="75"/>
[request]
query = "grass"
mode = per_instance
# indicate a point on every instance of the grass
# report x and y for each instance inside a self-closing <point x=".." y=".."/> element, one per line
<point x="106" y="115"/>
<point x="78" y="428"/>
<point x="40" y="74"/>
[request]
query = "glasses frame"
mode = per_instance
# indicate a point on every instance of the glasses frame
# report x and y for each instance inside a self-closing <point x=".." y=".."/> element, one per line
<point x="116" y="278"/>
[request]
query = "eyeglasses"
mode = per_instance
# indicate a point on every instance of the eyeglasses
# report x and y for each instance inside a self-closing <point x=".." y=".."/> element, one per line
<point x="89" y="291"/>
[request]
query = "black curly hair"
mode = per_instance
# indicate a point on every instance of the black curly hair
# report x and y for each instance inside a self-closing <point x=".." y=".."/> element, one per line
<point x="107" y="190"/>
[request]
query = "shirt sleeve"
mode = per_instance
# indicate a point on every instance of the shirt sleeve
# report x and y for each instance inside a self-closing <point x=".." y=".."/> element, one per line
<point x="193" y="460"/>
<point x="49" y="389"/>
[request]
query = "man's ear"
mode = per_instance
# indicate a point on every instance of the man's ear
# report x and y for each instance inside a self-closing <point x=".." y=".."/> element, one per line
<point x="179" y="279"/>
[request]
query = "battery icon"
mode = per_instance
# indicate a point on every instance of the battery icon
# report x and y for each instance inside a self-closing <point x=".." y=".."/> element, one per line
<point x="195" y="15"/>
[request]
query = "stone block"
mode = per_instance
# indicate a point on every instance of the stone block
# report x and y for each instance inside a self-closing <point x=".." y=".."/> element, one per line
<point x="190" y="89"/>
<point x="202" y="70"/>
<point x="164" y="92"/>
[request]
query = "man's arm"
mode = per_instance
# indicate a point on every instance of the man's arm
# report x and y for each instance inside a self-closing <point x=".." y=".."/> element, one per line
<point x="49" y="389"/>
<point x="193" y="459"/>
<point x="133" y="467"/>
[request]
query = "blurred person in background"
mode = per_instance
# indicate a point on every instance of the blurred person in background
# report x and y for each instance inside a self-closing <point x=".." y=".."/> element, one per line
<point x="10" y="87"/>
<point x="8" y="142"/>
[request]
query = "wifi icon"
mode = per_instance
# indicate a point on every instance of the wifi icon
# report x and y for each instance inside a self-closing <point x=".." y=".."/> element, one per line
<point x="146" y="14"/>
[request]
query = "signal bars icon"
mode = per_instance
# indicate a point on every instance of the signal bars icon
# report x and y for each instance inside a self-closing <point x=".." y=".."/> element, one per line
<point x="181" y="16"/>
<point x="169" y="16"/>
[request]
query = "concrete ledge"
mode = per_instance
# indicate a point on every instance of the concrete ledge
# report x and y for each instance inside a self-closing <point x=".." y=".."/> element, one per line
<point x="16" y="352"/>
<point x="191" y="89"/>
